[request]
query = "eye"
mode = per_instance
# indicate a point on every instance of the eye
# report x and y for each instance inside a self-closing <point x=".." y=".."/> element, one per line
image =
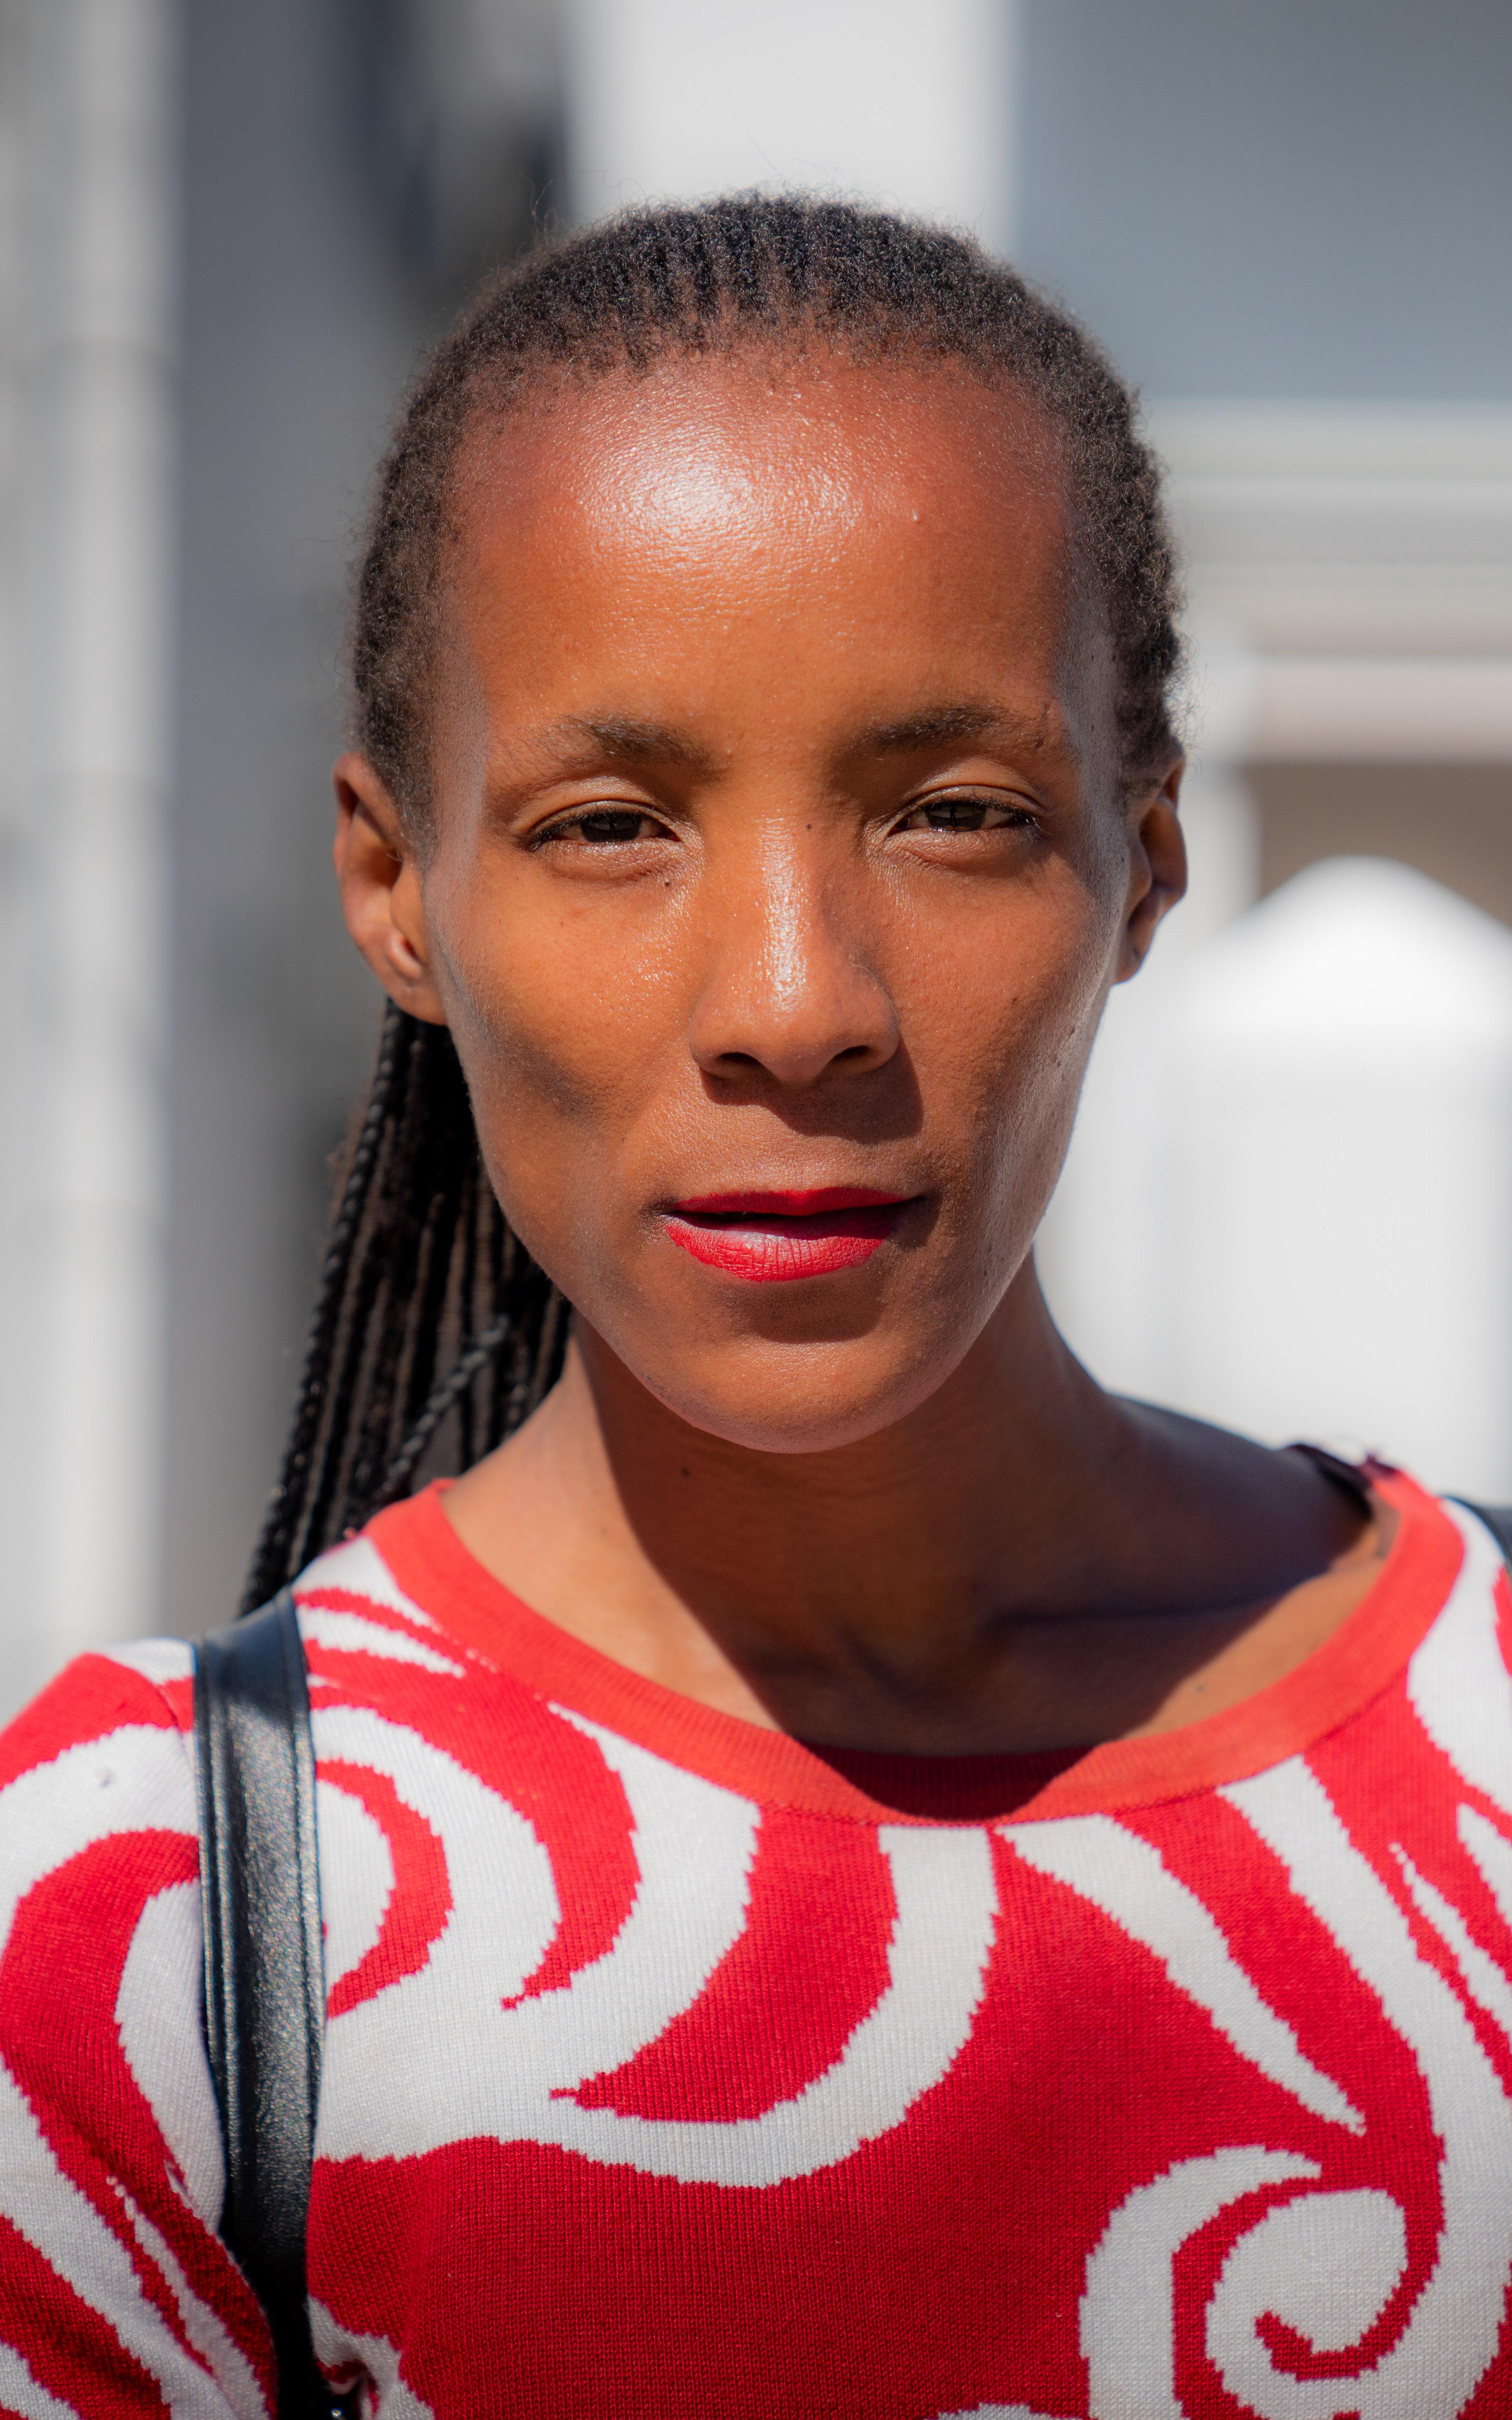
<point x="614" y="823"/>
<point x="603" y="827"/>
<point x="955" y="813"/>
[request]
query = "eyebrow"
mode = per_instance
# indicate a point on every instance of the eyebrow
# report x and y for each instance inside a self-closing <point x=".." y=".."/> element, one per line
<point x="636" y="739"/>
<point x="631" y="739"/>
<point x="937" y="726"/>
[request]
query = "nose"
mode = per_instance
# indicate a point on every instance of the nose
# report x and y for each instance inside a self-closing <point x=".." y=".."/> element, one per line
<point x="790" y="991"/>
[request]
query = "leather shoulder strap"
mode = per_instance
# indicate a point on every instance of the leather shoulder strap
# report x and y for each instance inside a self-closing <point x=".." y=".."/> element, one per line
<point x="264" y="1970"/>
<point x="1497" y="1519"/>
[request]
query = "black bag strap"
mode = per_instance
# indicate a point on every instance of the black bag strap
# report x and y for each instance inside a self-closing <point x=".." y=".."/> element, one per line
<point x="1353" y="1479"/>
<point x="264" y="1969"/>
<point x="1497" y="1519"/>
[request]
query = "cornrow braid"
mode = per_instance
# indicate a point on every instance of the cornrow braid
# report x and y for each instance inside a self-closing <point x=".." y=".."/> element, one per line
<point x="434" y="1333"/>
<point x="419" y="1259"/>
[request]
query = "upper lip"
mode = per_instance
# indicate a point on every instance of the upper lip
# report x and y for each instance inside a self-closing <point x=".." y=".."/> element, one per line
<point x="766" y="1202"/>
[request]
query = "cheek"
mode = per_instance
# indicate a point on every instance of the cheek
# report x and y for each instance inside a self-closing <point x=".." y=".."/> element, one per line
<point x="1013" y="1029"/>
<point x="576" y="1060"/>
<point x="555" y="1055"/>
<point x="1026" y="1039"/>
<point x="549" y="1023"/>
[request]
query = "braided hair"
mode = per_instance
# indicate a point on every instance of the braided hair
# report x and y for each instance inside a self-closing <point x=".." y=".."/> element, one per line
<point x="420" y="1267"/>
<point x="434" y="1333"/>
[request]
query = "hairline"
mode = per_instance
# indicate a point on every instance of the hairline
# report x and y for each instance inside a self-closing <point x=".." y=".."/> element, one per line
<point x="491" y="395"/>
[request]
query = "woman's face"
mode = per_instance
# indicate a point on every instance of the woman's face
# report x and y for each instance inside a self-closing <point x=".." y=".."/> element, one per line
<point x="776" y="871"/>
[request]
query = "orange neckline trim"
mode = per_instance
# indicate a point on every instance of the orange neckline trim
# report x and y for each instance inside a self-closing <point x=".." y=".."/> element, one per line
<point x="431" y="1564"/>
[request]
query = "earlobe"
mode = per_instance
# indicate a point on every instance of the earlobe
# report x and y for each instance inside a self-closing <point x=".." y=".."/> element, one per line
<point x="1157" y="872"/>
<point x="380" y="892"/>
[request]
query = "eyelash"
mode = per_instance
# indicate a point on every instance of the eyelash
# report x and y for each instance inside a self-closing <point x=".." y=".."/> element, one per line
<point x="574" y="827"/>
<point x="1014" y="819"/>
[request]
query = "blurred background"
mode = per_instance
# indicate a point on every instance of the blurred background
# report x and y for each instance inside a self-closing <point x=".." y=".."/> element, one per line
<point x="225" y="234"/>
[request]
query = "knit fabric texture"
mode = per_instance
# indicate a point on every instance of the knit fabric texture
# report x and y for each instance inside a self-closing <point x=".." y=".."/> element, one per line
<point x="675" y="2070"/>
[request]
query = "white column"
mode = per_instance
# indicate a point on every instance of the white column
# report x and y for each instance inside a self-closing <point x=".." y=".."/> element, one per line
<point x="95" y="151"/>
<point x="911" y="106"/>
<point x="15" y="973"/>
<point x="1344" y="1174"/>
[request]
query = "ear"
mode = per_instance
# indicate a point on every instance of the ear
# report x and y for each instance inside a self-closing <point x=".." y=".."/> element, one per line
<point x="1157" y="871"/>
<point x="380" y="886"/>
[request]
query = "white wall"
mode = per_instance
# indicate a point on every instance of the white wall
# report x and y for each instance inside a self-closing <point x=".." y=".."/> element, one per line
<point x="1302" y="1181"/>
<point x="1344" y="1172"/>
<point x="1351" y="574"/>
<point x="91" y="139"/>
<point x="913" y="107"/>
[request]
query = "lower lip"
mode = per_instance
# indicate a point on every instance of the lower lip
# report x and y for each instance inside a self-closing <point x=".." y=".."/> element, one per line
<point x="775" y="1251"/>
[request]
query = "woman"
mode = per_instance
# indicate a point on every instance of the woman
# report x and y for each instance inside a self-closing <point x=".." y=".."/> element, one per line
<point x="862" y="1875"/>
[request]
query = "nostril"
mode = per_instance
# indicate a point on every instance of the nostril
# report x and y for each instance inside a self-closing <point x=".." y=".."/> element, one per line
<point x="823" y="1028"/>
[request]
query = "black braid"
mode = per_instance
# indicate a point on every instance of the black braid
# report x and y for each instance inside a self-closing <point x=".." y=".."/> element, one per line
<point x="420" y="1257"/>
<point x="431" y="1318"/>
<point x="455" y="1389"/>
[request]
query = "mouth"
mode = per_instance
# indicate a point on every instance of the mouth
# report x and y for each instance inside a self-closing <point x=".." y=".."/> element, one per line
<point x="773" y="1238"/>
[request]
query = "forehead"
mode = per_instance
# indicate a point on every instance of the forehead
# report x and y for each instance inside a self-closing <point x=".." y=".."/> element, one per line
<point x="729" y="511"/>
<point x="759" y="401"/>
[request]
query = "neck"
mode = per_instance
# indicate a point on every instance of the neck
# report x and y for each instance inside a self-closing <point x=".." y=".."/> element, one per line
<point x="924" y="1529"/>
<point x="824" y="1592"/>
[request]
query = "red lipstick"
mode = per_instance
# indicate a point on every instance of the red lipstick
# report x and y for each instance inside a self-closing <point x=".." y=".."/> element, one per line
<point x="772" y="1237"/>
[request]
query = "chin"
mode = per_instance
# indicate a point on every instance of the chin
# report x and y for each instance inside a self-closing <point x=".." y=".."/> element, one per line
<point x="799" y="1399"/>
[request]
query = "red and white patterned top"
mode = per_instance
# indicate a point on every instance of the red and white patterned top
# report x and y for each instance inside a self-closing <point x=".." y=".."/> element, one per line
<point x="675" y="2070"/>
